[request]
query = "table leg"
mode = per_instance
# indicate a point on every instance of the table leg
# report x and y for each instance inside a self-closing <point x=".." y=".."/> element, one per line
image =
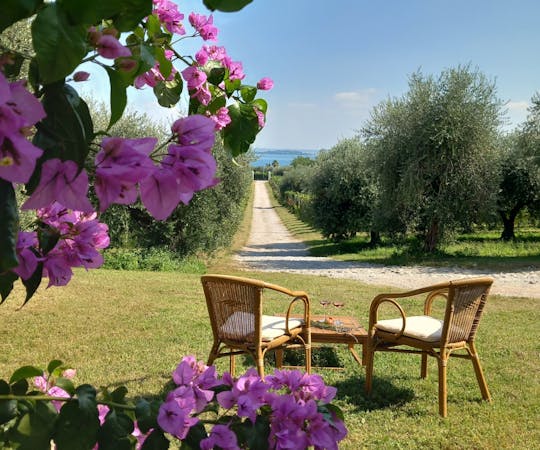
<point x="355" y="355"/>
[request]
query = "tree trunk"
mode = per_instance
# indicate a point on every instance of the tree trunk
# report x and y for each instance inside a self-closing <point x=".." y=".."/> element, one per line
<point x="432" y="237"/>
<point x="509" y="223"/>
<point x="375" y="238"/>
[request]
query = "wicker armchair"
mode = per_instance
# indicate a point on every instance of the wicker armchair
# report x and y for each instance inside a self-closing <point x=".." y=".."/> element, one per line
<point x="235" y="306"/>
<point x="465" y="300"/>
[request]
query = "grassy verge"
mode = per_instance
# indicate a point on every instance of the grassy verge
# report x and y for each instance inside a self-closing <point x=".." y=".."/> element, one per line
<point x="476" y="250"/>
<point x="132" y="328"/>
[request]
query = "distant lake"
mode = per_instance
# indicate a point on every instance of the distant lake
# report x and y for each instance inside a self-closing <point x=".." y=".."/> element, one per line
<point x="283" y="157"/>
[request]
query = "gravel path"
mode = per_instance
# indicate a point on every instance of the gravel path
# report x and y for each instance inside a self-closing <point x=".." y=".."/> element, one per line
<point x="271" y="248"/>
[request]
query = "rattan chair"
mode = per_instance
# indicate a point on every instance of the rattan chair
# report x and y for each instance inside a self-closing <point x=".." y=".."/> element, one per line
<point x="235" y="306"/>
<point x="465" y="300"/>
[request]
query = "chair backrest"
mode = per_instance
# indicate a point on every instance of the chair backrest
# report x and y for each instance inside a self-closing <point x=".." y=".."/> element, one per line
<point x="234" y="306"/>
<point x="466" y="300"/>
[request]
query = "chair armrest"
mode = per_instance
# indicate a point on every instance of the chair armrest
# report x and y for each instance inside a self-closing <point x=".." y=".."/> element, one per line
<point x="428" y="303"/>
<point x="299" y="296"/>
<point x="374" y="310"/>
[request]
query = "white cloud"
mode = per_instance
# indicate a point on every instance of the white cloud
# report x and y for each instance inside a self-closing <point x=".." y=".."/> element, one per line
<point x="516" y="112"/>
<point x="519" y="106"/>
<point x="356" y="99"/>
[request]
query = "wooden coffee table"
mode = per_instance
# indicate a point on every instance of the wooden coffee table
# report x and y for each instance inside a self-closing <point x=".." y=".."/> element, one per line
<point x="349" y="332"/>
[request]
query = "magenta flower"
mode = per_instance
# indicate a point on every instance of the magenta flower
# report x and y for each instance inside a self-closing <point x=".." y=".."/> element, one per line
<point x="168" y="14"/>
<point x="260" y="117"/>
<point x="110" y="47"/>
<point x="265" y="84"/>
<point x="195" y="130"/>
<point x="18" y="110"/>
<point x="61" y="181"/>
<point x="121" y="164"/>
<point x="195" y="78"/>
<point x="221" y="436"/>
<point x="160" y="193"/>
<point x="236" y="71"/>
<point x="221" y="118"/>
<point x="203" y="95"/>
<point x="26" y="248"/>
<point x="204" y="26"/>
<point x="174" y="416"/>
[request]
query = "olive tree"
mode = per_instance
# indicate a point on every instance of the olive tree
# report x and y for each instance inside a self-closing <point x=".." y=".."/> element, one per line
<point x="433" y="151"/>
<point x="342" y="191"/>
<point x="520" y="172"/>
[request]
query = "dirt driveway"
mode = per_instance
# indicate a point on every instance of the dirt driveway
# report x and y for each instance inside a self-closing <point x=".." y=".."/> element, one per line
<point x="271" y="248"/>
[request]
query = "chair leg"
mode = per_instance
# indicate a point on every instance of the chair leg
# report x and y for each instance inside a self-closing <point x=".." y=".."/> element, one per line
<point x="232" y="365"/>
<point x="308" y="358"/>
<point x="259" y="362"/>
<point x="369" y="357"/>
<point x="443" y="393"/>
<point x="213" y="354"/>
<point x="479" y="373"/>
<point x="423" y="365"/>
<point x="279" y="357"/>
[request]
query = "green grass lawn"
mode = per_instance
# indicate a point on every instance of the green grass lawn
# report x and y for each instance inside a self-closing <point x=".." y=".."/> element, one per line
<point x="133" y="328"/>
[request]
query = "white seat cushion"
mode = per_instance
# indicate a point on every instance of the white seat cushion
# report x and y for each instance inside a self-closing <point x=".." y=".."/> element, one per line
<point x="425" y="328"/>
<point x="272" y="326"/>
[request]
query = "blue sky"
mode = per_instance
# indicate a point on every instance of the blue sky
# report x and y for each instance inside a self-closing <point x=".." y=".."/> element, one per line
<point x="332" y="61"/>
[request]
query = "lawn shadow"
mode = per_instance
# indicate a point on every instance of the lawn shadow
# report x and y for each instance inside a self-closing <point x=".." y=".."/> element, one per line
<point x="383" y="395"/>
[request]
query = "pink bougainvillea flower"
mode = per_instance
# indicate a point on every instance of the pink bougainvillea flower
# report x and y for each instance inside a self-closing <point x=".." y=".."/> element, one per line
<point x="27" y="243"/>
<point x="265" y="84"/>
<point x="61" y="181"/>
<point x="260" y="117"/>
<point x="110" y="47"/>
<point x="81" y="76"/>
<point x="204" y="26"/>
<point x="17" y="158"/>
<point x="168" y="14"/>
<point x="18" y="110"/>
<point x="195" y="78"/>
<point x="126" y="64"/>
<point x="174" y="418"/>
<point x="195" y="130"/>
<point x="220" y="436"/>
<point x="221" y="118"/>
<point x="120" y="164"/>
<point x="160" y="194"/>
<point x="236" y="71"/>
<point x="203" y="95"/>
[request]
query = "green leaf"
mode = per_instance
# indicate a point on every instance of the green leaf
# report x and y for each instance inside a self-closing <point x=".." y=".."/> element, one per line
<point x="253" y="436"/>
<point x="115" y="433"/>
<point x="195" y="435"/>
<point x="31" y="284"/>
<point x="168" y="92"/>
<point x="260" y="104"/>
<point x="6" y="284"/>
<point x="8" y="410"/>
<point x="25" y="372"/>
<point x="47" y="237"/>
<point x="165" y="65"/>
<point x="242" y="131"/>
<point x="119" y="394"/>
<point x="216" y="103"/>
<point x="156" y="440"/>
<point x="34" y="429"/>
<point x="78" y="423"/>
<point x="231" y="86"/>
<point x="59" y="46"/>
<point x="4" y="387"/>
<point x="15" y="10"/>
<point x="118" y="95"/>
<point x="153" y="25"/>
<point x="64" y="133"/>
<point x="215" y="72"/>
<point x="146" y="414"/>
<point x="131" y="13"/>
<point x="20" y="387"/>
<point x="248" y="93"/>
<point x="53" y="365"/>
<point x="9" y="227"/>
<point x="226" y="5"/>
<point x="82" y="113"/>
